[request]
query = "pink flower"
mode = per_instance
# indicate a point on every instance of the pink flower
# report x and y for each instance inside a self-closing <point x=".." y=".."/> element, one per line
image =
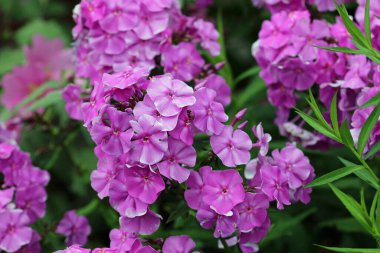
<point x="294" y="164"/>
<point x="75" y="228"/>
<point x="232" y="147"/>
<point x="143" y="225"/>
<point x="121" y="17"/>
<point x="74" y="249"/>
<point x="149" y="143"/>
<point x="178" y="154"/>
<point x="170" y="95"/>
<point x="275" y="185"/>
<point x="223" y="190"/>
<point x="6" y="197"/>
<point x="209" y="36"/>
<point x="14" y="232"/>
<point x="125" y="79"/>
<point x="32" y="200"/>
<point x="252" y="212"/>
<point x="151" y="23"/>
<point x="249" y="241"/>
<point x="102" y="177"/>
<point x="143" y="184"/>
<point x="219" y="85"/>
<point x="121" y="200"/>
<point x="208" y="114"/>
<point x="194" y="187"/>
<point x="178" y="244"/>
<point x="183" y="61"/>
<point x="72" y="96"/>
<point x="263" y="139"/>
<point x="184" y="130"/>
<point x="105" y="250"/>
<point x="122" y="240"/>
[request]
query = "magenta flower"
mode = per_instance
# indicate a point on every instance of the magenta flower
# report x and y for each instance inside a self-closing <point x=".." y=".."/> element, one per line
<point x="149" y="143"/>
<point x="178" y="244"/>
<point x="252" y="212"/>
<point x="75" y="228"/>
<point x="182" y="61"/>
<point x="6" y="197"/>
<point x="294" y="164"/>
<point x="120" y="17"/>
<point x="263" y="139"/>
<point x="128" y="77"/>
<point x="147" y="107"/>
<point x="112" y="132"/>
<point x="122" y="240"/>
<point x="209" y="36"/>
<point x="249" y="241"/>
<point x="184" y="130"/>
<point x="170" y="95"/>
<point x="143" y="225"/>
<point x="143" y="184"/>
<point x="121" y="200"/>
<point x="219" y="85"/>
<point x="14" y="232"/>
<point x="105" y="250"/>
<point x="102" y="177"/>
<point x="194" y="187"/>
<point x="178" y="154"/>
<point x="275" y="185"/>
<point x="297" y="75"/>
<point x="151" y="23"/>
<point x="32" y="200"/>
<point x="33" y="246"/>
<point x="232" y="147"/>
<point x="74" y="249"/>
<point x="208" y="114"/>
<point x="72" y="96"/>
<point x="223" y="190"/>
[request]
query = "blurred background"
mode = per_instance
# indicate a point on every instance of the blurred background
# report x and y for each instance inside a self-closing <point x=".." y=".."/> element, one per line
<point x="63" y="146"/>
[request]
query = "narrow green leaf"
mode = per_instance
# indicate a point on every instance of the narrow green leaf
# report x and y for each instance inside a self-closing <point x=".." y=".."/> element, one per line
<point x="362" y="201"/>
<point x="50" y="99"/>
<point x="346" y="135"/>
<point x="256" y="86"/>
<point x="342" y="50"/>
<point x="373" y="101"/>
<point x="334" y="115"/>
<point x="373" y="208"/>
<point x="89" y="208"/>
<point x="367" y="22"/>
<point x="350" y="250"/>
<point x="314" y="106"/>
<point x="374" y="150"/>
<point x="317" y="126"/>
<point x="367" y="128"/>
<point x="353" y="207"/>
<point x="249" y="73"/>
<point x="335" y="175"/>
<point x="362" y="174"/>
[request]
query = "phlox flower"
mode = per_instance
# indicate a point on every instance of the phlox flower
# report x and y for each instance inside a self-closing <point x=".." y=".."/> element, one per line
<point x="122" y="240"/>
<point x="75" y="228"/>
<point x="102" y="177"/>
<point x="194" y="187"/>
<point x="31" y="199"/>
<point x="219" y="85"/>
<point x="223" y="190"/>
<point x="128" y="77"/>
<point x="232" y="146"/>
<point x="143" y="225"/>
<point x="74" y="249"/>
<point x="178" y="244"/>
<point x="252" y="211"/>
<point x="263" y="139"/>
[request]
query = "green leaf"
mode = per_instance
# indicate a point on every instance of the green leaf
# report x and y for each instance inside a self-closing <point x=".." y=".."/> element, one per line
<point x="317" y="126"/>
<point x="9" y="58"/>
<point x="180" y="211"/>
<point x="350" y="250"/>
<point x="334" y="116"/>
<point x="89" y="208"/>
<point x="342" y="50"/>
<point x="353" y="207"/>
<point x="254" y="87"/>
<point x="249" y="73"/>
<point x="373" y="207"/>
<point x="335" y="175"/>
<point x="373" y="101"/>
<point x="367" y="22"/>
<point x="48" y="29"/>
<point x="374" y="150"/>
<point x="317" y="112"/>
<point x="346" y="135"/>
<point x="362" y="174"/>
<point x="367" y="128"/>
<point x="50" y="99"/>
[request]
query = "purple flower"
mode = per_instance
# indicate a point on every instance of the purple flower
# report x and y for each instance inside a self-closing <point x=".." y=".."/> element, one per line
<point x="249" y="241"/>
<point x="178" y="154"/>
<point x="112" y="132"/>
<point x="122" y="240"/>
<point x="105" y="250"/>
<point x="121" y="200"/>
<point x="151" y="23"/>
<point x="223" y="190"/>
<point x="219" y="85"/>
<point x="143" y="184"/>
<point x="194" y="187"/>
<point x="184" y="130"/>
<point x="147" y="107"/>
<point x="33" y="246"/>
<point x="6" y="197"/>
<point x="263" y="139"/>
<point x="275" y="185"/>
<point x="252" y="212"/>
<point x="14" y="232"/>
<point x="183" y="61"/>
<point x="232" y="147"/>
<point x="209" y="36"/>
<point x="74" y="249"/>
<point x="128" y="77"/>
<point x="75" y="228"/>
<point x="294" y="164"/>
<point x="72" y="96"/>
<point x="208" y="114"/>
<point x="102" y="177"/>
<point x="120" y="17"/>
<point x="143" y="225"/>
<point x="297" y="75"/>
<point x="178" y="244"/>
<point x="170" y="95"/>
<point x="32" y="200"/>
<point x="149" y="143"/>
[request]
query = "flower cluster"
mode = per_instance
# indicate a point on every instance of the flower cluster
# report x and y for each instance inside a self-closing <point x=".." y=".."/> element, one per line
<point x="291" y="64"/>
<point x="225" y="203"/>
<point x="153" y="93"/>
<point x="45" y="61"/>
<point x="22" y="197"/>
<point x="284" y="5"/>
<point x="131" y="244"/>
<point x="111" y="35"/>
